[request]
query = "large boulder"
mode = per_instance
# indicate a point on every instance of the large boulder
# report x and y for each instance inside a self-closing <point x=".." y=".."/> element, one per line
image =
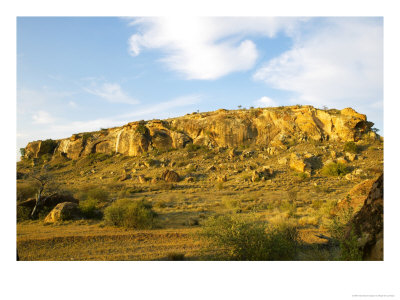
<point x="367" y="224"/>
<point x="170" y="176"/>
<point x="298" y="164"/>
<point x="62" y="212"/>
<point x="356" y="196"/>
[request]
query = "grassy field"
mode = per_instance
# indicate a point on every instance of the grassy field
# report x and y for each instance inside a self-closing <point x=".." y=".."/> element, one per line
<point x="301" y="200"/>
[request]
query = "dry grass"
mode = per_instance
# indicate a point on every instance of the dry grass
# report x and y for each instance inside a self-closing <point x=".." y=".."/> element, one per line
<point x="82" y="241"/>
<point x="306" y="202"/>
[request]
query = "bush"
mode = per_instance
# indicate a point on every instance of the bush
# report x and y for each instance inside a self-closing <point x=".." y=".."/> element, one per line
<point x="349" y="249"/>
<point x="351" y="147"/>
<point x="192" y="147"/>
<point x="234" y="238"/>
<point x="335" y="169"/>
<point x="23" y="213"/>
<point x="289" y="207"/>
<point x="98" y="194"/>
<point x="97" y="157"/>
<point x="231" y="203"/>
<point x="130" y="214"/>
<point x="301" y="175"/>
<point x="142" y="129"/>
<point x="89" y="209"/>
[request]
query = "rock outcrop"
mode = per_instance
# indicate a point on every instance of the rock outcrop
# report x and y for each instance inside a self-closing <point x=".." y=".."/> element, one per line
<point x="170" y="176"/>
<point x="63" y="211"/>
<point x="266" y="127"/>
<point x="367" y="224"/>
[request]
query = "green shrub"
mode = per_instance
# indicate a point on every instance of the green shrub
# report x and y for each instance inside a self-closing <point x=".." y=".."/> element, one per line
<point x="351" y="147"/>
<point x="97" y="157"/>
<point x="85" y="137"/>
<point x="335" y="169"/>
<point x="89" y="209"/>
<point x="192" y="147"/>
<point x="231" y="203"/>
<point x="22" y="151"/>
<point x="301" y="175"/>
<point x="130" y="214"/>
<point x="23" y="213"/>
<point x="288" y="207"/>
<point x="235" y="238"/>
<point x="93" y="193"/>
<point x="98" y="194"/>
<point x="142" y="129"/>
<point x="338" y="226"/>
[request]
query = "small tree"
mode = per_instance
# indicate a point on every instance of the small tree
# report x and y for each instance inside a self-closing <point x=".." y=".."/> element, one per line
<point x="45" y="185"/>
<point x="22" y="151"/>
<point x="375" y="130"/>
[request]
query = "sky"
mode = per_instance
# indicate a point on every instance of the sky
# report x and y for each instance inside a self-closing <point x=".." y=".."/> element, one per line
<point x="77" y="74"/>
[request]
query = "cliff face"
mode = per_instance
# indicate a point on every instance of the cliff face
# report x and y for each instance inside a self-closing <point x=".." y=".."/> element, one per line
<point x="368" y="223"/>
<point x="221" y="128"/>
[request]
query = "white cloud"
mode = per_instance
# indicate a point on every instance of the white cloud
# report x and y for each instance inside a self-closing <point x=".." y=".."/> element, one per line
<point x="111" y="92"/>
<point x="72" y="104"/>
<point x="339" y="64"/>
<point x="265" y="101"/>
<point x="42" y="117"/>
<point x="29" y="100"/>
<point x="163" y="107"/>
<point x="161" y="110"/>
<point x="206" y="48"/>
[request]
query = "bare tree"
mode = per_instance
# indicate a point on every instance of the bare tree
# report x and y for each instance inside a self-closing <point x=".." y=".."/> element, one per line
<point x="46" y="185"/>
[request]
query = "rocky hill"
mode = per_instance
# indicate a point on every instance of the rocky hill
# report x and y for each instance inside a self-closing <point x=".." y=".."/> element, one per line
<point x="272" y="128"/>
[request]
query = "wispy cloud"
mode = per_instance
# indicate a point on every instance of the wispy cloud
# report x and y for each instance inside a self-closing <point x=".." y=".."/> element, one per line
<point x="164" y="107"/>
<point x="29" y="100"/>
<point x="72" y="104"/>
<point x="338" y="64"/>
<point x="111" y="92"/>
<point x="42" y="117"/>
<point x="265" y="101"/>
<point x="206" y="48"/>
<point x="161" y="110"/>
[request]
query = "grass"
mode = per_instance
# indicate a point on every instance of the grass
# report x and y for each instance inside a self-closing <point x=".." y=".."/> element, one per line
<point x="181" y="204"/>
<point x="84" y="240"/>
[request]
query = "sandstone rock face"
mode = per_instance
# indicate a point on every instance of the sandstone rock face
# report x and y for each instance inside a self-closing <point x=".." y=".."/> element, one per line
<point x="142" y="179"/>
<point x="368" y="223"/>
<point x="356" y="196"/>
<point x="269" y="127"/>
<point x="63" y="211"/>
<point x="298" y="164"/>
<point x="222" y="178"/>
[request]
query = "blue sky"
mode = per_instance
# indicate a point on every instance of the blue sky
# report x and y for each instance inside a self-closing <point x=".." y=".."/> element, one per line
<point x="78" y="74"/>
